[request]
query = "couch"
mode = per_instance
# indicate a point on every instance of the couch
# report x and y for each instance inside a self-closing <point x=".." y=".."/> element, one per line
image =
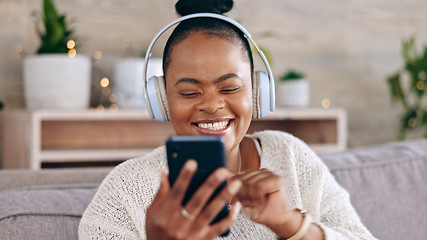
<point x="386" y="183"/>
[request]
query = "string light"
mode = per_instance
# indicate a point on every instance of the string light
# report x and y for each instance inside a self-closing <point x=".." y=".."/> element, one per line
<point x="326" y="103"/>
<point x="100" y="108"/>
<point x="114" y="107"/>
<point x="71" y="44"/>
<point x="412" y="122"/>
<point x="97" y="55"/>
<point x="112" y="98"/>
<point x="106" y="91"/>
<point x="72" y="53"/>
<point x="19" y="48"/>
<point x="420" y="85"/>
<point x="104" y="82"/>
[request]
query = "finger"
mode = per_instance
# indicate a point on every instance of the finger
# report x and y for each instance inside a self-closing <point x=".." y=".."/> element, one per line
<point x="256" y="187"/>
<point x="225" y="224"/>
<point x="202" y="195"/>
<point x="217" y="204"/>
<point x="162" y="193"/>
<point x="182" y="182"/>
<point x="251" y="186"/>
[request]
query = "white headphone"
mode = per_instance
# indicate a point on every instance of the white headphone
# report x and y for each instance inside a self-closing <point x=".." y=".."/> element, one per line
<point x="262" y="83"/>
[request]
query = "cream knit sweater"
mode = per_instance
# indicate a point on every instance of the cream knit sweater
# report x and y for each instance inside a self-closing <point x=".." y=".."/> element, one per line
<point x="117" y="210"/>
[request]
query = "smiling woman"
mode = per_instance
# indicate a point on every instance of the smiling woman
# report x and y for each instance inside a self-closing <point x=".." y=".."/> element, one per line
<point x="221" y="90"/>
<point x="210" y="88"/>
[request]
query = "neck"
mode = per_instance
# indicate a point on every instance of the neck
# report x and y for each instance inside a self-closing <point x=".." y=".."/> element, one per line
<point x="234" y="161"/>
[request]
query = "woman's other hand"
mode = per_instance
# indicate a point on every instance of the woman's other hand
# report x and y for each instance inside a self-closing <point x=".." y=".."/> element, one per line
<point x="263" y="197"/>
<point x="167" y="219"/>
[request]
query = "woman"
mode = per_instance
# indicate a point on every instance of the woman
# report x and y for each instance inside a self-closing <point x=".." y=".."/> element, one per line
<point x="208" y="70"/>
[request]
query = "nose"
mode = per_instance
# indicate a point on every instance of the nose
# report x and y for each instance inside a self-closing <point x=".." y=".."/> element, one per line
<point x="210" y="103"/>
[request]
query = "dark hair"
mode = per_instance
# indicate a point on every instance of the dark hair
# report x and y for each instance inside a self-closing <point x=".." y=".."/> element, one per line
<point x="209" y="26"/>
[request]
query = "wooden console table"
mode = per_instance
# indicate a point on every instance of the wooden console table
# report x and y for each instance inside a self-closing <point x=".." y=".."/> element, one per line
<point x="43" y="138"/>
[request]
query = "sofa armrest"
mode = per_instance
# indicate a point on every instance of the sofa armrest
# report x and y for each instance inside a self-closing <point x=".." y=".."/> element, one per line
<point x="387" y="185"/>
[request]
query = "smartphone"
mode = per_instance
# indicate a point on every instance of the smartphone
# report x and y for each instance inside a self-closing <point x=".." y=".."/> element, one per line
<point x="209" y="153"/>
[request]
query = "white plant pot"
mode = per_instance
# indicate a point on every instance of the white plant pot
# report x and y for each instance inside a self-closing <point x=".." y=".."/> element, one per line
<point x="293" y="93"/>
<point x="128" y="80"/>
<point x="56" y="81"/>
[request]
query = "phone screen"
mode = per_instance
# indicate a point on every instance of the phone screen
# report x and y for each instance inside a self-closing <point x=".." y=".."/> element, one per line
<point x="209" y="153"/>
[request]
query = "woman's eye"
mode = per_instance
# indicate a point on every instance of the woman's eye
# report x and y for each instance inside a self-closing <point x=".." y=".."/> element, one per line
<point x="189" y="94"/>
<point x="230" y="90"/>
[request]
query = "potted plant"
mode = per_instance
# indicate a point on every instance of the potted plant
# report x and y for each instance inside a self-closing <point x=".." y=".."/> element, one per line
<point x="56" y="77"/>
<point x="128" y="79"/>
<point x="293" y="90"/>
<point x="407" y="87"/>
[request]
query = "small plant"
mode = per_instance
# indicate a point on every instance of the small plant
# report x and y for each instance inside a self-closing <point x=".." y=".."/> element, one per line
<point x="407" y="87"/>
<point x="292" y="75"/>
<point x="56" y="34"/>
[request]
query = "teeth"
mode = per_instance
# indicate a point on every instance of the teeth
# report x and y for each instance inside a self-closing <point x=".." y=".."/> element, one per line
<point x="213" y="126"/>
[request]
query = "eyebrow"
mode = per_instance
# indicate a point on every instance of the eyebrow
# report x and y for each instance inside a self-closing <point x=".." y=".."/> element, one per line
<point x="220" y="79"/>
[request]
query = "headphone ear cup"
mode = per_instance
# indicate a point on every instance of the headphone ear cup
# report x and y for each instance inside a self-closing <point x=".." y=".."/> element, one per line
<point x="163" y="97"/>
<point x="158" y="101"/>
<point x="261" y="95"/>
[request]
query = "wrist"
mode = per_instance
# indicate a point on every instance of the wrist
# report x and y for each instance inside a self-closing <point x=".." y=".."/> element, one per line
<point x="289" y="227"/>
<point x="296" y="227"/>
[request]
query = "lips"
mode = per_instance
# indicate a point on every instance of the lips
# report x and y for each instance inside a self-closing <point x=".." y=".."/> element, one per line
<point x="213" y="127"/>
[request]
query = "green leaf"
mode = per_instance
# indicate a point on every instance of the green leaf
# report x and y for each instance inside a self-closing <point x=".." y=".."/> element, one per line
<point x="396" y="90"/>
<point x="56" y="35"/>
<point x="292" y="75"/>
<point x="414" y="118"/>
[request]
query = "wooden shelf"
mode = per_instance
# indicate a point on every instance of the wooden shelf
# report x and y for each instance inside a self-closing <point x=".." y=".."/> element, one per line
<point x="90" y="155"/>
<point x="32" y="138"/>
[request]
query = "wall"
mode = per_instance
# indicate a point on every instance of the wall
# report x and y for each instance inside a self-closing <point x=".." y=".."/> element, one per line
<point x="347" y="48"/>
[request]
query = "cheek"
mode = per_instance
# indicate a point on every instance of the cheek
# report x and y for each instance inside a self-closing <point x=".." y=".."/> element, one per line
<point x="244" y="105"/>
<point x="178" y="111"/>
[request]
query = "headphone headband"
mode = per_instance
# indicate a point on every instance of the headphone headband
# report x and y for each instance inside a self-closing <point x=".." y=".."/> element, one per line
<point x="210" y="15"/>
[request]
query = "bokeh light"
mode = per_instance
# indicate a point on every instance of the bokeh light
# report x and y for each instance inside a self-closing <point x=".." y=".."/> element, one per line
<point x="420" y="85"/>
<point x="72" y="53"/>
<point x="97" y="55"/>
<point x="112" y="98"/>
<point x="71" y="44"/>
<point x="326" y="103"/>
<point x="100" y="108"/>
<point x="106" y="91"/>
<point x="114" y="107"/>
<point x="104" y="82"/>
<point x="19" y="48"/>
<point x="412" y="122"/>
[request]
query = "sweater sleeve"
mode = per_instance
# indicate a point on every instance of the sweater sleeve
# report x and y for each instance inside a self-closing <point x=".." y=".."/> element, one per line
<point x="335" y="214"/>
<point x="106" y="216"/>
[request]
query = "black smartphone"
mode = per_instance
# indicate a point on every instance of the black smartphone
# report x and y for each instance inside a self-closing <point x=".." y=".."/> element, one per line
<point x="209" y="153"/>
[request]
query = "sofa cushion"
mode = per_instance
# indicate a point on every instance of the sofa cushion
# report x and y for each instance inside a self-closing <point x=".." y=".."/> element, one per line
<point x="44" y="212"/>
<point x="15" y="178"/>
<point x="387" y="184"/>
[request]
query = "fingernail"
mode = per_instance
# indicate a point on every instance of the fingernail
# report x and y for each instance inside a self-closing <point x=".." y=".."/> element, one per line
<point x="234" y="187"/>
<point x="191" y="165"/>
<point x="237" y="207"/>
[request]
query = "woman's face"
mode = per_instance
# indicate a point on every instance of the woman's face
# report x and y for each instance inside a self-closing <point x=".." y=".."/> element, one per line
<point x="209" y="89"/>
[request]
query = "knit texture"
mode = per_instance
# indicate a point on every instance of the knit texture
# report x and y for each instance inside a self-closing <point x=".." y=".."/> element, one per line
<point x="118" y="209"/>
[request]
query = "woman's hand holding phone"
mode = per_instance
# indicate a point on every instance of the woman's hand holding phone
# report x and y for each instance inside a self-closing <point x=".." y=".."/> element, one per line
<point x="166" y="218"/>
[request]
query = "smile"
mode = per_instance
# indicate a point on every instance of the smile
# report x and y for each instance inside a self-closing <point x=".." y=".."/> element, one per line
<point x="219" y="127"/>
<point x="213" y="126"/>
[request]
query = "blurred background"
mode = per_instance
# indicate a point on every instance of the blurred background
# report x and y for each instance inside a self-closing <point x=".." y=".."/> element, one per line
<point x="346" y="49"/>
